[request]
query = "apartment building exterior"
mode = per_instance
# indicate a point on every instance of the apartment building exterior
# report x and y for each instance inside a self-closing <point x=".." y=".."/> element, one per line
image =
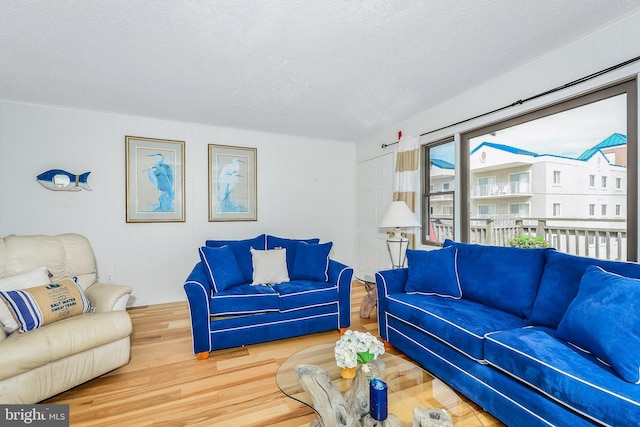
<point x="578" y="204"/>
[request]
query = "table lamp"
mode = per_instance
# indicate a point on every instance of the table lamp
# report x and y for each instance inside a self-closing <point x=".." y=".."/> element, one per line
<point x="398" y="216"/>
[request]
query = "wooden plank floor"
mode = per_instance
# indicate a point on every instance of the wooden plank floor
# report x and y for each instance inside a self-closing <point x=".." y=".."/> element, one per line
<point x="165" y="385"/>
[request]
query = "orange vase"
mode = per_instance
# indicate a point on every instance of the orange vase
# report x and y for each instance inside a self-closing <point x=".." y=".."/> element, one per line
<point x="348" y="373"/>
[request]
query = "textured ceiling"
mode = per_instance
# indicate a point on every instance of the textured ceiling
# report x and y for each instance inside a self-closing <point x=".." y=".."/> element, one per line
<point x="337" y="69"/>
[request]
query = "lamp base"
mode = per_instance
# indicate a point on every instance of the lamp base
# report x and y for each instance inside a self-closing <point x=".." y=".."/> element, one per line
<point x="397" y="246"/>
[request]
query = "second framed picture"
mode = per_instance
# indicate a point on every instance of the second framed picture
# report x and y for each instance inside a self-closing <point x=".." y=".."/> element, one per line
<point x="232" y="183"/>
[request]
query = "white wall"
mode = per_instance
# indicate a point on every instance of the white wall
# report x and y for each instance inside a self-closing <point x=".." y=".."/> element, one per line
<point x="596" y="51"/>
<point x="306" y="188"/>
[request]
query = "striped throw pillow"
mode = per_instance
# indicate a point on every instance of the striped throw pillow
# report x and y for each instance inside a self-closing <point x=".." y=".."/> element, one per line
<point x="41" y="305"/>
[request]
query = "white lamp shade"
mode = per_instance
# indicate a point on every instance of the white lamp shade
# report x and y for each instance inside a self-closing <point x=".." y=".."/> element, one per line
<point x="398" y="216"/>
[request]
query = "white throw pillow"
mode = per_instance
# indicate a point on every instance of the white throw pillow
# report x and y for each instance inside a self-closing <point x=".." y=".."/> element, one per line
<point x="269" y="267"/>
<point x="33" y="278"/>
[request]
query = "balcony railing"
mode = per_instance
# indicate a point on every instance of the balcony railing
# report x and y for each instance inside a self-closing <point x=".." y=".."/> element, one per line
<point x="502" y="189"/>
<point x="603" y="239"/>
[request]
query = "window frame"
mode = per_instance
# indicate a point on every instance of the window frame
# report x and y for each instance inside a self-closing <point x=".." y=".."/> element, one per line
<point x="425" y="179"/>
<point x="629" y="88"/>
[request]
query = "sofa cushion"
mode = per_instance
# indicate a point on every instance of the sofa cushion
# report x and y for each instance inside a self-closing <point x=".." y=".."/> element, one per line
<point x="244" y="299"/>
<point x="290" y="245"/>
<point x="37" y="277"/>
<point x="563" y="372"/>
<point x="460" y="323"/>
<point x="241" y="251"/>
<point x="42" y="305"/>
<point x="604" y="319"/>
<point x="302" y="294"/>
<point x="433" y="272"/>
<point x="269" y="266"/>
<point x="311" y="262"/>
<point x="501" y="277"/>
<point x="560" y="282"/>
<point x="222" y="267"/>
<point x="20" y="353"/>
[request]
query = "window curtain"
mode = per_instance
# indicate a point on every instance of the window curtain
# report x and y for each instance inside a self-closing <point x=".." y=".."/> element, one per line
<point x="407" y="177"/>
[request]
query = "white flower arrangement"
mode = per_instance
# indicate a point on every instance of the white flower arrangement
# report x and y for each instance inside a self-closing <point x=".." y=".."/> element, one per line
<point x="356" y="348"/>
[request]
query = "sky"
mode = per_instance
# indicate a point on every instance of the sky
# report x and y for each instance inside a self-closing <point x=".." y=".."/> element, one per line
<point x="568" y="133"/>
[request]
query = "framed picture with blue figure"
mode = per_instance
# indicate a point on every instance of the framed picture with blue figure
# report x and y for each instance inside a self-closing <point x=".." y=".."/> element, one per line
<point x="232" y="183"/>
<point x="155" y="180"/>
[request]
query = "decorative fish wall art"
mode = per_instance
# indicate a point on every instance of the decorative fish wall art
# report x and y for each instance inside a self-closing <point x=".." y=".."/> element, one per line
<point x="59" y="180"/>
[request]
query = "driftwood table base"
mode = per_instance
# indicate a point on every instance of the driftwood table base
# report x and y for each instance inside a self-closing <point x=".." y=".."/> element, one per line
<point x="352" y="409"/>
<point x="369" y="301"/>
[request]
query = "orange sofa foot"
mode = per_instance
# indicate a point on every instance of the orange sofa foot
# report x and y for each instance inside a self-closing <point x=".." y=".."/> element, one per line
<point x="203" y="356"/>
<point x="387" y="344"/>
<point x="343" y="330"/>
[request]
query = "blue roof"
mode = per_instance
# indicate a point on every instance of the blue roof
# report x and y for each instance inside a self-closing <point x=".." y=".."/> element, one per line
<point x="614" y="140"/>
<point x="503" y="147"/>
<point x="442" y="164"/>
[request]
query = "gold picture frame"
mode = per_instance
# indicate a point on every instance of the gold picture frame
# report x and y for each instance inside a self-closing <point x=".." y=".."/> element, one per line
<point x="154" y="180"/>
<point x="232" y="183"/>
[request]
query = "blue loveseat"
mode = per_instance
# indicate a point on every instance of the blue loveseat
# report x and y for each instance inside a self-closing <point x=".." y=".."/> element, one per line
<point x="535" y="336"/>
<point x="266" y="288"/>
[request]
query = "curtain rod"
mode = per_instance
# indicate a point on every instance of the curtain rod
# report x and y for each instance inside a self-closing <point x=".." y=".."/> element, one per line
<point x="531" y="98"/>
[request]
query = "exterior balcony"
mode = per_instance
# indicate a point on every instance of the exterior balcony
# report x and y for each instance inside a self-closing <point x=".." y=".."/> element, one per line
<point x="501" y="190"/>
<point x="598" y="238"/>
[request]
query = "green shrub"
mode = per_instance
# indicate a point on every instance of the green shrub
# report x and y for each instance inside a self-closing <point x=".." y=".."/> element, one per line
<point x="526" y="241"/>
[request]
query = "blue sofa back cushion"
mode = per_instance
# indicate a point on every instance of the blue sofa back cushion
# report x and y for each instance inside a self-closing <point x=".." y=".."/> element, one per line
<point x="501" y="277"/>
<point x="433" y="273"/>
<point x="241" y="251"/>
<point x="311" y="262"/>
<point x="604" y="319"/>
<point x="222" y="267"/>
<point x="290" y="245"/>
<point x="560" y="283"/>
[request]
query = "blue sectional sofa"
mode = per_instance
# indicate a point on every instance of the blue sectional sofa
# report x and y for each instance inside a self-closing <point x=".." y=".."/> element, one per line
<point x="266" y="288"/>
<point x="534" y="336"/>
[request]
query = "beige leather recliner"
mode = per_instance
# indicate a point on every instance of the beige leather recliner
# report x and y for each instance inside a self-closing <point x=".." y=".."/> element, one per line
<point x="56" y="357"/>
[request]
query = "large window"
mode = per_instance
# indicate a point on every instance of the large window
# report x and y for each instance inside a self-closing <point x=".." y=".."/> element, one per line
<point x="552" y="173"/>
<point x="438" y="203"/>
<point x="519" y="209"/>
<point x="519" y="183"/>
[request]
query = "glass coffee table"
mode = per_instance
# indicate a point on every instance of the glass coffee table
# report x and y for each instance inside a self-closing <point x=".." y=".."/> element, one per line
<point x="408" y="385"/>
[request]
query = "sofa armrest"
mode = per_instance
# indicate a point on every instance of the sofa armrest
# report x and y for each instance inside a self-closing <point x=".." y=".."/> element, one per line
<point x="388" y="282"/>
<point x="342" y="276"/>
<point x="108" y="297"/>
<point x="391" y="281"/>
<point x="198" y="292"/>
<point x="339" y="273"/>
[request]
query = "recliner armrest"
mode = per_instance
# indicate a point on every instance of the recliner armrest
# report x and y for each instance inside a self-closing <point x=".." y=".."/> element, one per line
<point x="108" y="297"/>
